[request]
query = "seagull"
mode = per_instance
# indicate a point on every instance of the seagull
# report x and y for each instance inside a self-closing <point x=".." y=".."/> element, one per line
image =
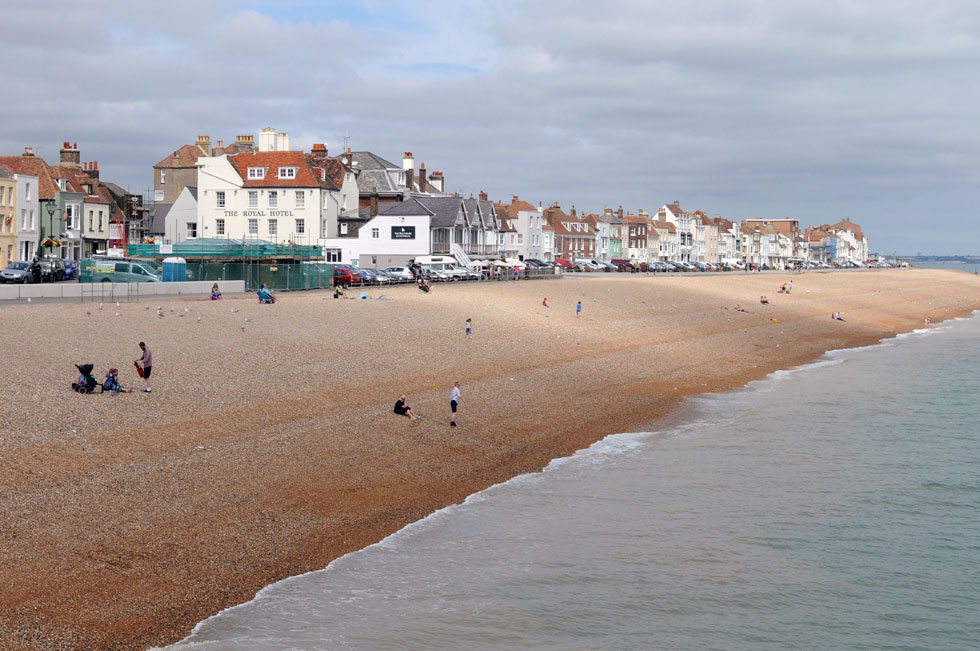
<point x="146" y="307"/>
<point x="181" y="316"/>
<point x="247" y="319"/>
<point x="100" y="306"/>
<point x="233" y="310"/>
<point x="243" y="326"/>
<point x="88" y="311"/>
<point x="171" y="310"/>
<point x="117" y="303"/>
<point x="198" y="318"/>
<point x="118" y="313"/>
<point x="187" y="309"/>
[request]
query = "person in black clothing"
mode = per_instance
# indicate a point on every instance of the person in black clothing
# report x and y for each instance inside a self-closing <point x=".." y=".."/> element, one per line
<point x="36" y="270"/>
<point x="402" y="409"/>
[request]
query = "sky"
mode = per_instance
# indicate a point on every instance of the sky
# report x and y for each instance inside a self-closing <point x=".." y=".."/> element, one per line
<point x="818" y="111"/>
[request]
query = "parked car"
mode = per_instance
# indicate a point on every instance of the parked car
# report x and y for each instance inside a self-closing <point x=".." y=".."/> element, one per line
<point x="52" y="270"/>
<point x="346" y="277"/>
<point x="567" y="265"/>
<point x="106" y="270"/>
<point x="455" y="273"/>
<point x="71" y="270"/>
<point x="16" y="272"/>
<point x="403" y="274"/>
<point x="435" y="275"/>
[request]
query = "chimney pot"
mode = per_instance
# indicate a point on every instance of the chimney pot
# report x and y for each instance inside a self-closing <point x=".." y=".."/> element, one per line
<point x="483" y="195"/>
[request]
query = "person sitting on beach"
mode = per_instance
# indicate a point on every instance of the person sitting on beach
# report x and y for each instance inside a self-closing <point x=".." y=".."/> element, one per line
<point x="215" y="292"/>
<point x="111" y="383"/>
<point x="544" y="303"/>
<point x="764" y="300"/>
<point x="424" y="284"/>
<point x="739" y="308"/>
<point x="404" y="410"/>
<point x="782" y="288"/>
<point x="338" y="291"/>
<point x="265" y="295"/>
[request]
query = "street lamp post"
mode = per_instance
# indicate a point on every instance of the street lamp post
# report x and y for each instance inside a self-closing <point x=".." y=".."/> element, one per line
<point x="51" y="212"/>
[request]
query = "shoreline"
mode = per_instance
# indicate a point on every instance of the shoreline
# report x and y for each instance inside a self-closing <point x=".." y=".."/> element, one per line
<point x="680" y="416"/>
<point x="315" y="511"/>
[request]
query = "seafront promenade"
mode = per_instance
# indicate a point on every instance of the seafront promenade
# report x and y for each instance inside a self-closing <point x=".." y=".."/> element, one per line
<point x="268" y="446"/>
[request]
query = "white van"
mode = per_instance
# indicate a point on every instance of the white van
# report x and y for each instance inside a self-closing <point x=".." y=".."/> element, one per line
<point x="444" y="263"/>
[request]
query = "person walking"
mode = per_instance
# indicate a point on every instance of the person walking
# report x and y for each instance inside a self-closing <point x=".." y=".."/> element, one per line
<point x="469" y="328"/>
<point x="147" y="361"/>
<point x="578" y="310"/>
<point x="454" y="403"/>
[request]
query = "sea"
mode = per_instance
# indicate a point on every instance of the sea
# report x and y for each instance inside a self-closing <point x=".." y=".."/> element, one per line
<point x="831" y="506"/>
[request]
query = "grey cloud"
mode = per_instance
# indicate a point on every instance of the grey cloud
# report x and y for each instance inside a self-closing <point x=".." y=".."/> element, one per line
<point x="739" y="107"/>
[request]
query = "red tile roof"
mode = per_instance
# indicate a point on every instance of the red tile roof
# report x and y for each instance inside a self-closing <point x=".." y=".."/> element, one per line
<point x="33" y="166"/>
<point x="311" y="171"/>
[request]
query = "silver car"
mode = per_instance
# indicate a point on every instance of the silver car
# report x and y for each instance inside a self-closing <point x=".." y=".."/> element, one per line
<point x="16" y="272"/>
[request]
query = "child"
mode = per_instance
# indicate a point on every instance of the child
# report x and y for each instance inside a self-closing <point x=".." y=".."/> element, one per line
<point x="469" y="328"/>
<point x="215" y="292"/>
<point x="544" y="303"/>
<point x="578" y="310"/>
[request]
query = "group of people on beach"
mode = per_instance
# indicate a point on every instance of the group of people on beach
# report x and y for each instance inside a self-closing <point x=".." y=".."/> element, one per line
<point x="455" y="395"/>
<point x="87" y="383"/>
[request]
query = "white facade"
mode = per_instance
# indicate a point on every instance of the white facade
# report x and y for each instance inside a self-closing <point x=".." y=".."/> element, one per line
<point x="95" y="227"/>
<point x="384" y="241"/>
<point x="531" y="244"/>
<point x="181" y="222"/>
<point x="28" y="217"/>
<point x="602" y="233"/>
<point x="277" y="213"/>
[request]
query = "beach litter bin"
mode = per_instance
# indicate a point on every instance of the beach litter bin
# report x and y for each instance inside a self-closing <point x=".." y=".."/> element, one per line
<point x="174" y="270"/>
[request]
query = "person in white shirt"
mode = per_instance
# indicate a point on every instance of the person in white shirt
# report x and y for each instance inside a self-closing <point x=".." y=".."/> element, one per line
<point x="454" y="403"/>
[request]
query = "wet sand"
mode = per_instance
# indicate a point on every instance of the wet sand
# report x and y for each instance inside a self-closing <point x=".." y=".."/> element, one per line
<point x="268" y="447"/>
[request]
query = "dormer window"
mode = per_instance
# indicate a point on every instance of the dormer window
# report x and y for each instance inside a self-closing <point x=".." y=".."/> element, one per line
<point x="287" y="172"/>
<point x="62" y="184"/>
<point x="256" y="173"/>
<point x="88" y="188"/>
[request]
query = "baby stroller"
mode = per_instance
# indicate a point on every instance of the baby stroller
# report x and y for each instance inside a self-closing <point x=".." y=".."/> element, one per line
<point x="86" y="382"/>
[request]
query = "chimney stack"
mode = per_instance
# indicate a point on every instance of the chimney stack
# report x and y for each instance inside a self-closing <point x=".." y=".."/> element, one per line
<point x="70" y="156"/>
<point x="374" y="204"/>
<point x="438" y="181"/>
<point x="28" y="151"/>
<point x="408" y="164"/>
<point x="423" y="182"/>
<point x="204" y="143"/>
<point x="483" y="195"/>
<point x="319" y="150"/>
<point x="92" y="169"/>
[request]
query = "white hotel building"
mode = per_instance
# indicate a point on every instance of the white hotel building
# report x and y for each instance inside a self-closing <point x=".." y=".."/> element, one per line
<point x="279" y="196"/>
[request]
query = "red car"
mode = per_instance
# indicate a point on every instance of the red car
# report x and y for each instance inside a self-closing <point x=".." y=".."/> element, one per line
<point x="567" y="265"/>
<point x="345" y="278"/>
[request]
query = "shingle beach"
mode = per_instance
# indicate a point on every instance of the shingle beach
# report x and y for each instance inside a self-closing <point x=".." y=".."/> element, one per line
<point x="268" y="446"/>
